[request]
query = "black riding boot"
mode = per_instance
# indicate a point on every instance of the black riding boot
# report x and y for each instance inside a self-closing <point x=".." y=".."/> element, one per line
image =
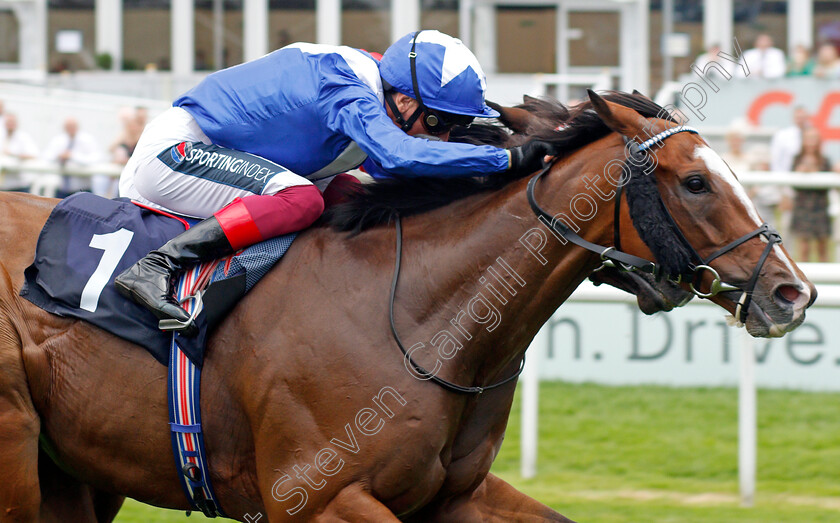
<point x="150" y="281"/>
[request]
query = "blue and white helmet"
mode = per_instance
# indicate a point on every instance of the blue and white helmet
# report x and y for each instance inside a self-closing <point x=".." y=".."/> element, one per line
<point x="449" y="76"/>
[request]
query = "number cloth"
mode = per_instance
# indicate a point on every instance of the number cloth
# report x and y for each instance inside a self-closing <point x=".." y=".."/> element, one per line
<point x="88" y="240"/>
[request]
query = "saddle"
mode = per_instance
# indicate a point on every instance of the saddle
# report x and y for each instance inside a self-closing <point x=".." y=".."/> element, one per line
<point x="88" y="240"/>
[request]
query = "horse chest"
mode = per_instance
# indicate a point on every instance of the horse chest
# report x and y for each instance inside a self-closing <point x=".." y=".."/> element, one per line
<point x="465" y="460"/>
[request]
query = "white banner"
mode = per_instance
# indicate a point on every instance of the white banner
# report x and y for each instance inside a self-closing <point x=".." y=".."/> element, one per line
<point x="614" y="343"/>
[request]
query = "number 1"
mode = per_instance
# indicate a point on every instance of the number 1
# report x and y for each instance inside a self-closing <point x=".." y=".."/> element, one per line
<point x="114" y="244"/>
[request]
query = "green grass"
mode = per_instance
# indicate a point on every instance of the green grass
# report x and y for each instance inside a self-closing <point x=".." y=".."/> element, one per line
<point x="135" y="512"/>
<point x="643" y="454"/>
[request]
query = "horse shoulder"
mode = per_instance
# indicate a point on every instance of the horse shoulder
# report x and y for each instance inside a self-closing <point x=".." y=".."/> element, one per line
<point x="19" y="421"/>
<point x="21" y="219"/>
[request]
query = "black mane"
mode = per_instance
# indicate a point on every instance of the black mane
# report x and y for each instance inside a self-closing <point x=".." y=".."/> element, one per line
<point x="568" y="128"/>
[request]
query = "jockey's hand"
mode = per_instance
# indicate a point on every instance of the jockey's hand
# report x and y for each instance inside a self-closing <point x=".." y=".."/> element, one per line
<point x="528" y="157"/>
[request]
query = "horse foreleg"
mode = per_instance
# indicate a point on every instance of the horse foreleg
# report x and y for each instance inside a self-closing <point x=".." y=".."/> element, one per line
<point x="493" y="500"/>
<point x="20" y="499"/>
<point x="64" y="498"/>
<point x="354" y="504"/>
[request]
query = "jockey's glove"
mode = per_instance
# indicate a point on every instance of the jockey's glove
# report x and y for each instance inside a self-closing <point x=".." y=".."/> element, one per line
<point x="528" y="157"/>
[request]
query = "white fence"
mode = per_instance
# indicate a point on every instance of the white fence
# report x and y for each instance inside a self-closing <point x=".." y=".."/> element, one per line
<point x="42" y="111"/>
<point x="825" y="276"/>
<point x="46" y="177"/>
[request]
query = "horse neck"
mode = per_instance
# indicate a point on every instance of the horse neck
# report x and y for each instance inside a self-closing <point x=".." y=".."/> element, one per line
<point x="475" y="293"/>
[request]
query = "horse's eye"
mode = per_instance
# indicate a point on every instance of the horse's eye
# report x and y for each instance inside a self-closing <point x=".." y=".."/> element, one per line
<point x="696" y="184"/>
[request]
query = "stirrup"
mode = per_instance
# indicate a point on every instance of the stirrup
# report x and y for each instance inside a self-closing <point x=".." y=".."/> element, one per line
<point x="184" y="327"/>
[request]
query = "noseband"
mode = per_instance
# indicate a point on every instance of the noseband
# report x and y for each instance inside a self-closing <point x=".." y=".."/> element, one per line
<point x="614" y="257"/>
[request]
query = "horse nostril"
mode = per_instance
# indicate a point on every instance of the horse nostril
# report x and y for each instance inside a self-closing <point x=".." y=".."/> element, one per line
<point x="788" y="293"/>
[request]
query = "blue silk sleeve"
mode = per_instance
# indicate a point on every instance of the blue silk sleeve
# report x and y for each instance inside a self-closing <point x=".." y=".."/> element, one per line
<point x="358" y="113"/>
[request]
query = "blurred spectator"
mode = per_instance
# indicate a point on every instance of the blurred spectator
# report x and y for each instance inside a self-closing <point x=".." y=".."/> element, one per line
<point x="141" y="117"/>
<point x="2" y="125"/>
<point x="811" y="220"/>
<point x="767" y="198"/>
<point x="784" y="146"/>
<point x="20" y="146"/>
<point x="735" y="155"/>
<point x="73" y="147"/>
<point x="787" y="141"/>
<point x="834" y="212"/>
<point x="133" y="121"/>
<point x="122" y="147"/>
<point x="711" y="55"/>
<point x="801" y="62"/>
<point x="740" y="160"/>
<point x="764" y="60"/>
<point x="828" y="63"/>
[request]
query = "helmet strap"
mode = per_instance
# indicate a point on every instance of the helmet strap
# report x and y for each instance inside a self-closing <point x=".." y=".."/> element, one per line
<point x="404" y="124"/>
<point x="412" y="57"/>
<point x="431" y="121"/>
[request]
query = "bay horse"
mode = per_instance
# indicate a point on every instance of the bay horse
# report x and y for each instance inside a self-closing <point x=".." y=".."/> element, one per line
<point x="310" y="410"/>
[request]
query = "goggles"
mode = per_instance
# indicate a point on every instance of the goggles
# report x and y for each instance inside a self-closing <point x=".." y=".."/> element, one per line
<point x="439" y="122"/>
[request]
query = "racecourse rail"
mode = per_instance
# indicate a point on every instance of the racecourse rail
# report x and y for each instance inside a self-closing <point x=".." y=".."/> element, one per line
<point x="820" y="180"/>
<point x="826" y="277"/>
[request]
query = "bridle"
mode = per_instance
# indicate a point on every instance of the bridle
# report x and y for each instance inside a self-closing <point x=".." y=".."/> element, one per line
<point x="614" y="257"/>
<point x="610" y="257"/>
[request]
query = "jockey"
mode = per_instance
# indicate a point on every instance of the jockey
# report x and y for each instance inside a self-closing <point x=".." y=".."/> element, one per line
<point x="247" y="148"/>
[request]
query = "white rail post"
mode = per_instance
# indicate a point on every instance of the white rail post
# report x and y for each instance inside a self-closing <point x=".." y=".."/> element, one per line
<point x="182" y="53"/>
<point x="747" y="422"/>
<point x="530" y="403"/>
<point x="109" y="31"/>
<point x="254" y="29"/>
<point x="328" y="22"/>
<point x="405" y="18"/>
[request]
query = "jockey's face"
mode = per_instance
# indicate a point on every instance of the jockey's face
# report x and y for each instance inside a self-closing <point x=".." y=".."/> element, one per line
<point x="407" y="105"/>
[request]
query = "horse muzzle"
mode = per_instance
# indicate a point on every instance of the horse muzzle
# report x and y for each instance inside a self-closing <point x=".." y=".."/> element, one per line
<point x="775" y="312"/>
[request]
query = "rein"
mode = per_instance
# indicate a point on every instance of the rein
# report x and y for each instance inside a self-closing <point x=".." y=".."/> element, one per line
<point x="615" y="257"/>
<point x="448" y="385"/>
<point x="610" y="256"/>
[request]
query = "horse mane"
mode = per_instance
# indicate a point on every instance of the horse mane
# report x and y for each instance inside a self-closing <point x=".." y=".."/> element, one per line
<point x="567" y="128"/>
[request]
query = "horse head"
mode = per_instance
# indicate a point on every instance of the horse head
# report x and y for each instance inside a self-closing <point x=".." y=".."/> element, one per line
<point x="653" y="294"/>
<point x="692" y="216"/>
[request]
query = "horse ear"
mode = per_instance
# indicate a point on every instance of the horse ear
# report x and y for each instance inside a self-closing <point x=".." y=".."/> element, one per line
<point x="514" y="118"/>
<point x="620" y="119"/>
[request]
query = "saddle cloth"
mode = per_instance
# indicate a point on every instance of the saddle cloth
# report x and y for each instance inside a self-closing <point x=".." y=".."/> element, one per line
<point x="88" y="240"/>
